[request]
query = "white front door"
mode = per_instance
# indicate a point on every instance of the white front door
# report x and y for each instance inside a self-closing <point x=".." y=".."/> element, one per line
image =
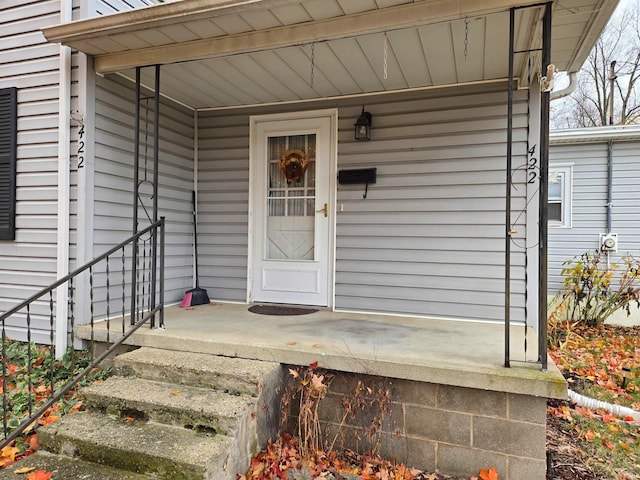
<point x="291" y="226"/>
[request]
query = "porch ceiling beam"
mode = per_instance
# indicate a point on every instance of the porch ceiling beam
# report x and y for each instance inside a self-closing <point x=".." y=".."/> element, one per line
<point x="421" y="13"/>
<point x="153" y="17"/>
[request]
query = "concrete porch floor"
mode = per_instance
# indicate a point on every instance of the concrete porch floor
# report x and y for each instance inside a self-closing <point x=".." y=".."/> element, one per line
<point x="464" y="354"/>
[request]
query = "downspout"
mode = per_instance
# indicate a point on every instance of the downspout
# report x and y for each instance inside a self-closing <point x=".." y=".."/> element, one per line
<point x="569" y="89"/>
<point x="609" y="204"/>
<point x="609" y="183"/>
<point x="64" y="176"/>
<point x="594" y="404"/>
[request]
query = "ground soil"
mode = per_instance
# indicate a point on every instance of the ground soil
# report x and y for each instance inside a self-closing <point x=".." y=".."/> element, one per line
<point x="565" y="458"/>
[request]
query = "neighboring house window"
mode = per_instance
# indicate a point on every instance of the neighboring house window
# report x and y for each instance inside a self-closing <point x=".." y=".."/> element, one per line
<point x="560" y="183"/>
<point x="8" y="139"/>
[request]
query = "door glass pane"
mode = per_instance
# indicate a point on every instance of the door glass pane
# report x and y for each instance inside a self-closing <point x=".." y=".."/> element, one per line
<point x="291" y="202"/>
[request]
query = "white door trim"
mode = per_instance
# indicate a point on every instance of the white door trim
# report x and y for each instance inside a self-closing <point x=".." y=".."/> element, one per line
<point x="254" y="120"/>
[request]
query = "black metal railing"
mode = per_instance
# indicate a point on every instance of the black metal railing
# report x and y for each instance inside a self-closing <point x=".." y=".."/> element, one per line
<point x="119" y="291"/>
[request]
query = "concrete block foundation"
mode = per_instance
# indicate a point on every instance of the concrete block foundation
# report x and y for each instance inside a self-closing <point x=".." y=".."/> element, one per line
<point x="435" y="427"/>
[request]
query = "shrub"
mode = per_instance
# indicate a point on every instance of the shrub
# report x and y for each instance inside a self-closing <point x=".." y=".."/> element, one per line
<point x="593" y="289"/>
<point x="365" y="408"/>
<point x="559" y="328"/>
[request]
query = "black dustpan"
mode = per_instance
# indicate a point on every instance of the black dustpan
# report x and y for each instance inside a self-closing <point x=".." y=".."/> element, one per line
<point x="197" y="295"/>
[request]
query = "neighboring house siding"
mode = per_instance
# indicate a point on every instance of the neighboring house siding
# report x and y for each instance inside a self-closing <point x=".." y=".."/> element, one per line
<point x="589" y="200"/>
<point x="428" y="240"/>
<point x="625" y="219"/>
<point x="27" y="62"/>
<point x="106" y="7"/>
<point x="114" y="178"/>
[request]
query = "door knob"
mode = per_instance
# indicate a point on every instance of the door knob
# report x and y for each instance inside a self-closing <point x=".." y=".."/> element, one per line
<point x="325" y="210"/>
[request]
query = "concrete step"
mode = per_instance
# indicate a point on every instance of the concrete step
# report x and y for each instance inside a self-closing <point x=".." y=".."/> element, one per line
<point x="66" y="468"/>
<point x="175" y="415"/>
<point x="161" y="451"/>
<point x="233" y="375"/>
<point x="186" y="406"/>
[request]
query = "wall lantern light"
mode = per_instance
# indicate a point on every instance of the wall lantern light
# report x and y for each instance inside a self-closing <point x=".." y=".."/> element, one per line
<point x="363" y="126"/>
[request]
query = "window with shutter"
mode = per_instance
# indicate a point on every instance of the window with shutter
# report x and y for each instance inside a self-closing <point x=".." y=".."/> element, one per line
<point x="8" y="140"/>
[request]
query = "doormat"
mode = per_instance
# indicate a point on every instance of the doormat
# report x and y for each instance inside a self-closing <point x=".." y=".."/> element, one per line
<point x="280" y="310"/>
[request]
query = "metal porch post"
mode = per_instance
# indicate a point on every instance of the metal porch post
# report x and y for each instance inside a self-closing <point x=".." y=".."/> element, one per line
<point x="136" y="181"/>
<point x="156" y="150"/>
<point x="544" y="194"/>
<point x="136" y="193"/>
<point x="507" y="221"/>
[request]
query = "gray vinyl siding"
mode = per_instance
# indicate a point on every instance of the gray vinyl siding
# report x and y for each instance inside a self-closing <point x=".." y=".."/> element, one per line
<point x="223" y="203"/>
<point x="428" y="240"/>
<point x="114" y="180"/>
<point x="589" y="201"/>
<point x="27" y="62"/>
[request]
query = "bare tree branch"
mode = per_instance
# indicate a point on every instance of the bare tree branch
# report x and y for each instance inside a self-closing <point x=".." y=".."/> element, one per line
<point x="589" y="104"/>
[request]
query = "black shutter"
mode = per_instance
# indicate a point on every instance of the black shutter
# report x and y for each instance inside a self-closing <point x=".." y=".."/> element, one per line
<point x="8" y="140"/>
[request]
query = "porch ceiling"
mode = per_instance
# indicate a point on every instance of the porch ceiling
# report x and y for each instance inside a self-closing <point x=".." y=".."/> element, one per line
<point x="221" y="53"/>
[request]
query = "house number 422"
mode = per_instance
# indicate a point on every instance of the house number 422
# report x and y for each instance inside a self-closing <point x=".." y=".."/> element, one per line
<point x="81" y="146"/>
<point x="532" y="165"/>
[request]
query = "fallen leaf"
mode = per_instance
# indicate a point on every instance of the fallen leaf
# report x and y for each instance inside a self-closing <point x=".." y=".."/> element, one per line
<point x="313" y="365"/>
<point x="490" y="474"/>
<point x="49" y="419"/>
<point x="130" y="419"/>
<point x="24" y="470"/>
<point x="585" y="412"/>
<point x="34" y="445"/>
<point x="9" y="453"/>
<point x="589" y="435"/>
<point x="175" y="393"/>
<point x="609" y="445"/>
<point x="39" y="475"/>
